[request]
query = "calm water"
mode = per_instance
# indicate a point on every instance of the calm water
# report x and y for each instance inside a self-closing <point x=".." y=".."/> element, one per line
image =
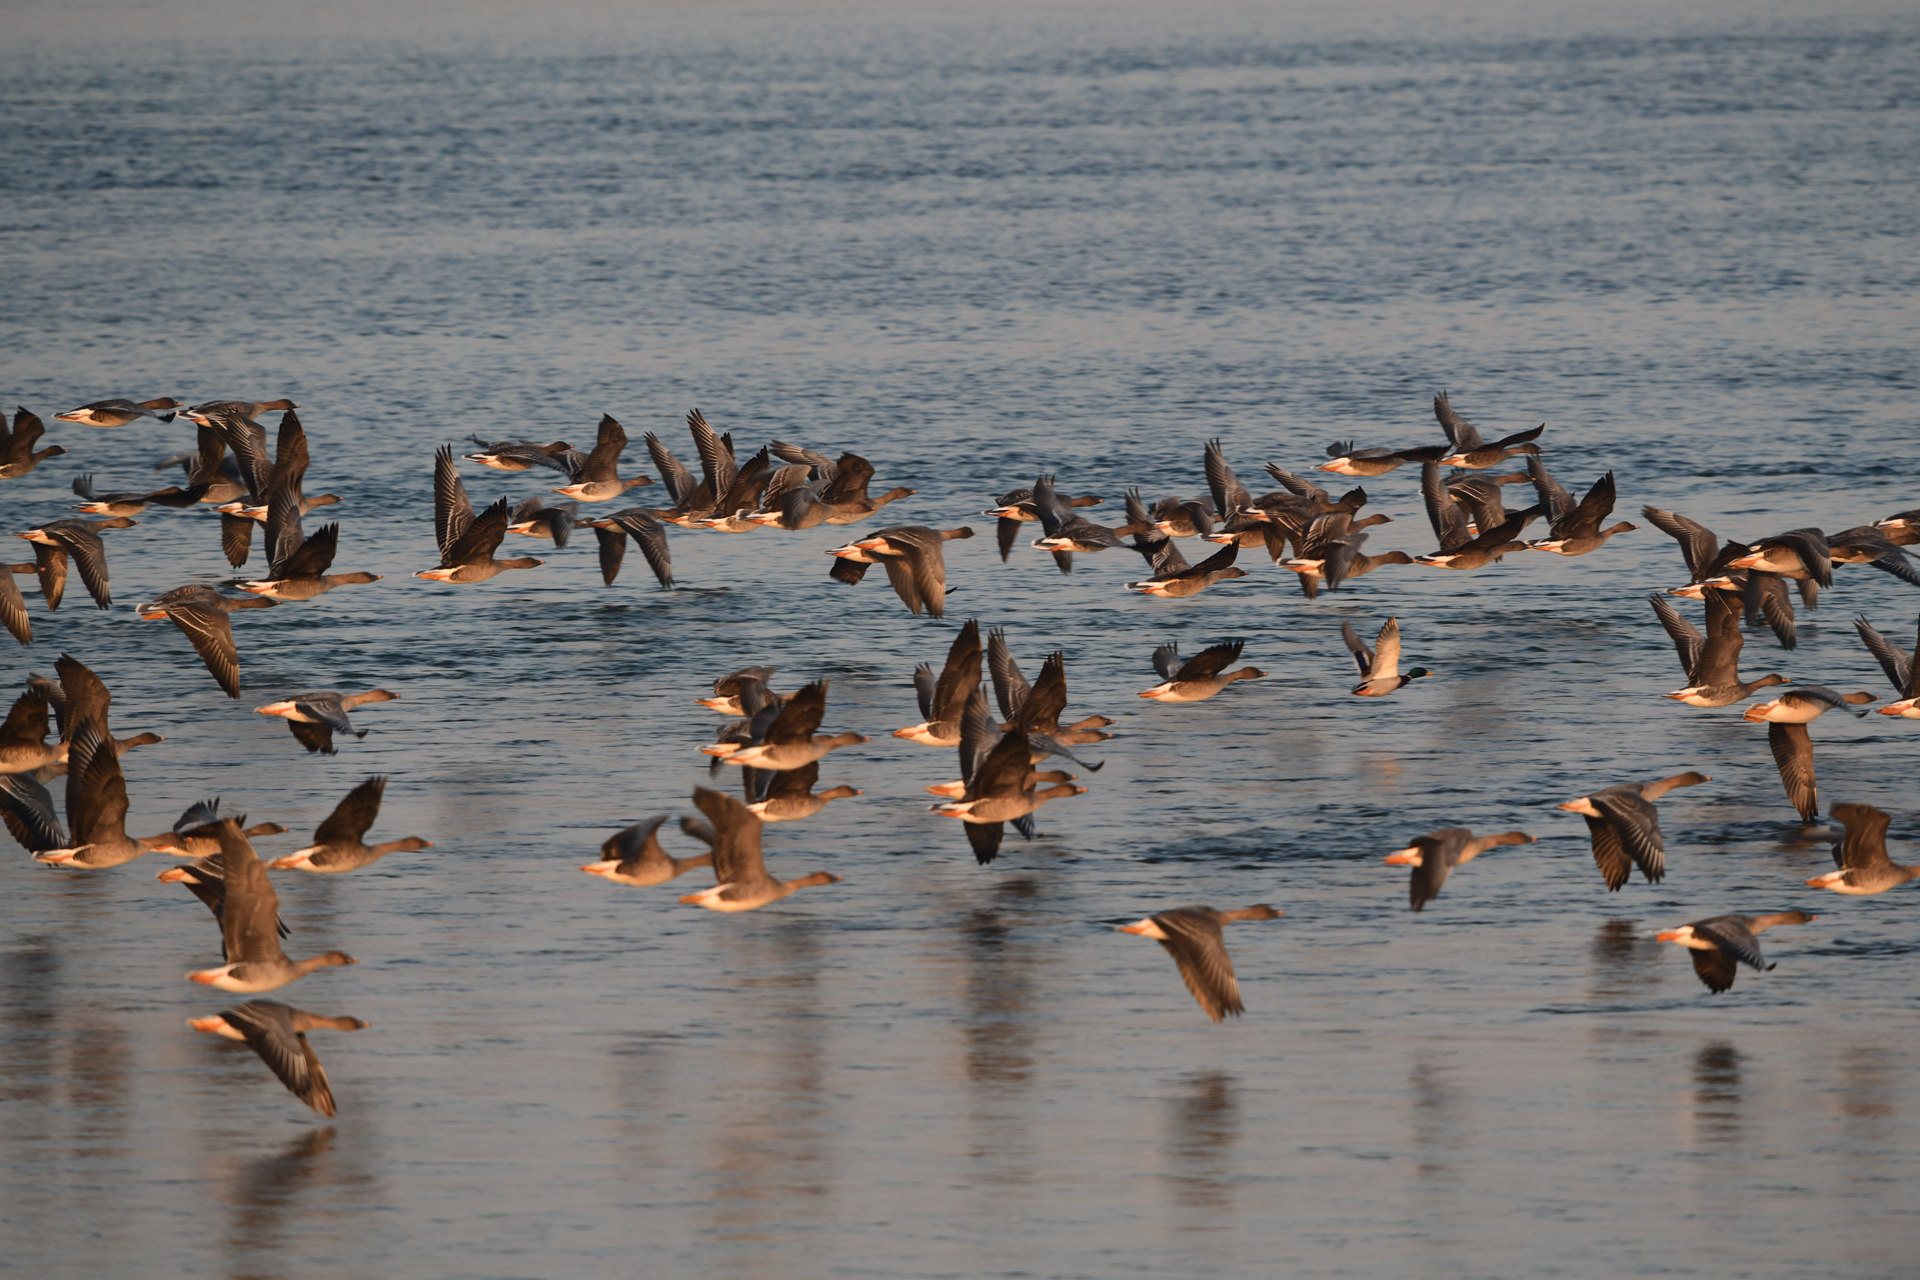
<point x="972" y="246"/>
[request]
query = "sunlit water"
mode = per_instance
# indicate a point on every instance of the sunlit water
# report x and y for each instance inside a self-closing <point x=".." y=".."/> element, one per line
<point x="973" y="248"/>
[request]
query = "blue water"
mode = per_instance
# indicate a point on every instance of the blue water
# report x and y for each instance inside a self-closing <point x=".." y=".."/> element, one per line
<point x="974" y="245"/>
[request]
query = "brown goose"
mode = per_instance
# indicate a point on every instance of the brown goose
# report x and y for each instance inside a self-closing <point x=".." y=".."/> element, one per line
<point x="913" y="557"/>
<point x="650" y="535"/>
<point x="1712" y="661"/>
<point x="467" y="541"/>
<point x="1192" y="937"/>
<point x="1017" y="506"/>
<point x="200" y="612"/>
<point x="1201" y="676"/>
<point x="738" y="866"/>
<point x="132" y="503"/>
<point x="118" y="413"/>
<point x="1038" y="707"/>
<point x="1861" y="855"/>
<point x="1458" y="548"/>
<point x="634" y="856"/>
<point x="79" y="539"/>
<point x="598" y="478"/>
<point x="196" y="833"/>
<point x="844" y="483"/>
<point x="1575" y="530"/>
<point x="733" y="691"/>
<point x="1787" y="718"/>
<point x="999" y="789"/>
<point x="791" y="740"/>
<point x="255" y="961"/>
<point x="337" y="843"/>
<point x="1469" y="450"/>
<point x="518" y="455"/>
<point x="1715" y="945"/>
<point x="315" y="717"/>
<point x="1434" y="855"/>
<point x="790" y="796"/>
<point x="96" y="807"/>
<point x="1625" y="828"/>
<point x="278" y="1033"/>
<point x="944" y="701"/>
<point x="17" y="457"/>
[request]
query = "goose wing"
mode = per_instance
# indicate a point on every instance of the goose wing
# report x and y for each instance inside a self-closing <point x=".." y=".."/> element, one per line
<point x="1584" y="520"/>
<point x="604" y="462"/>
<point x="737" y="858"/>
<point x="1211" y="661"/>
<point x="1010" y="687"/>
<point x="89" y="557"/>
<point x="1609" y="854"/>
<point x="1687" y="640"/>
<point x="1898" y="666"/>
<point x="27" y="808"/>
<point x="800" y="718"/>
<point x="1041" y="711"/>
<point x="1637" y="824"/>
<point x="326" y="708"/>
<point x="1166" y="660"/>
<point x="794" y="784"/>
<point x="960" y="677"/>
<point x="1734" y="936"/>
<point x="847" y="479"/>
<point x="248" y="922"/>
<point x="651" y="537"/>
<point x="349" y="821"/>
<point x="212" y="635"/>
<point x="268" y="1028"/>
<point x="96" y="790"/>
<point x="1443" y="513"/>
<point x="452" y="509"/>
<point x="673" y="473"/>
<point x="1229" y="495"/>
<point x="639" y="843"/>
<point x="1553" y="495"/>
<point x="315" y="555"/>
<point x="1792" y="749"/>
<point x="1459" y="431"/>
<point x="1697" y="542"/>
<point x="1195" y="943"/>
<point x="1865" y="844"/>
<point x="480" y="540"/>
<point x="716" y="454"/>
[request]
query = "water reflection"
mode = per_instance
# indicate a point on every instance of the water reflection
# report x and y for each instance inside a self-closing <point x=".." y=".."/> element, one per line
<point x="1716" y="1093"/>
<point x="1623" y="961"/>
<point x="31" y="982"/>
<point x="1866" y="1092"/>
<point x="1001" y="960"/>
<point x="263" y="1191"/>
<point x="1437" y="1120"/>
<point x="1203" y="1122"/>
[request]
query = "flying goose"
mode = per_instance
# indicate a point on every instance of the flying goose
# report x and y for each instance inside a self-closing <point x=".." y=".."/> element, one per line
<point x="255" y="961"/>
<point x="467" y="542"/>
<point x="598" y="478"/>
<point x="791" y="740"/>
<point x="790" y="796"/>
<point x="739" y="868"/>
<point x="1902" y="670"/>
<point x="278" y="1033"/>
<point x="1201" y="676"/>
<point x="1469" y="450"/>
<point x="17" y="457"/>
<point x="634" y="856"/>
<point x="1625" y="828"/>
<point x="118" y="413"/>
<point x="1861" y="855"/>
<point x="339" y="844"/>
<point x="1434" y="855"/>
<point x="1192" y="937"/>
<point x="1787" y="718"/>
<point x="844" y="494"/>
<point x="1712" y="661"/>
<point x="1715" y="945"/>
<point x="79" y="539"/>
<point x="315" y="717"/>
<point x="913" y="557"/>
<point x="1458" y="549"/>
<point x="944" y="701"/>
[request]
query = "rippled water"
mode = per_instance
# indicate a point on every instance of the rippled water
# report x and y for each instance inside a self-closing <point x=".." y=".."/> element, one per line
<point x="973" y="246"/>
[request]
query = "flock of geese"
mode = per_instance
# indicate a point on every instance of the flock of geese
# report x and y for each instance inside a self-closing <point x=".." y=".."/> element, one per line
<point x="1010" y="763"/>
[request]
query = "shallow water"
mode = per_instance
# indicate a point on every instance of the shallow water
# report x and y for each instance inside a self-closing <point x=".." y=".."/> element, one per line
<point x="972" y="247"/>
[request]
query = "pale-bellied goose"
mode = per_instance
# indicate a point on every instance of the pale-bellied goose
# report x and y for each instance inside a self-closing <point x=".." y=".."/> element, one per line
<point x="598" y="478"/>
<point x="790" y="740"/>
<point x="1347" y="460"/>
<point x="1201" y="676"/>
<point x="1458" y="549"/>
<point x="845" y="492"/>
<point x="733" y="691"/>
<point x="278" y="1033"/>
<point x="1192" y="937"/>
<point x="131" y="503"/>
<point x="555" y="523"/>
<point x="200" y="611"/>
<point x="206" y="879"/>
<point x="1577" y="532"/>
<point x="1716" y="944"/>
<point x="1037" y="708"/>
<point x="1902" y="670"/>
<point x="196" y="833"/>
<point x="634" y="856"/>
<point x="215" y="409"/>
<point x="1869" y="546"/>
<point x="17" y="457"/>
<point x="790" y="796"/>
<point x="1902" y="528"/>
<point x="1469" y="450"/>
<point x="738" y="866"/>
<point x="1000" y="790"/>
<point x="1625" y="827"/>
<point x="1712" y="661"/>
<point x="1061" y="529"/>
<point x="467" y="542"/>
<point x="338" y="843"/>
<point x="96" y="806"/>
<point x="1787" y="718"/>
<point x="118" y="413"/>
<point x="1435" y="854"/>
<point x="1174" y="578"/>
<point x="1380" y="665"/>
<point x="518" y="455"/>
<point x="1861" y="855"/>
<point x="612" y="531"/>
<point x="1797" y="553"/>
<point x="943" y="701"/>
<point x="1341" y="561"/>
<point x="1761" y="594"/>
<point x="315" y="717"/>
<point x="1018" y="505"/>
<point x="80" y="540"/>
<point x="913" y="557"/>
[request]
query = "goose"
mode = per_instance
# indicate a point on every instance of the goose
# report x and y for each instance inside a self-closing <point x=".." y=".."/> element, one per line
<point x="1347" y="460"/>
<point x="598" y="478"/>
<point x="1866" y="545"/>
<point x="790" y="740"/>
<point x="634" y="856"/>
<point x="1761" y="594"/>
<point x="297" y="563"/>
<point x="200" y="611"/>
<point x="13" y="605"/>
<point x="96" y="807"/>
<point x="467" y="542"/>
<point x="1578" y="531"/>
<point x="1174" y="578"/>
<point x="790" y="796"/>
<point x="23" y="737"/>
<point x="206" y="880"/>
<point x="738" y="865"/>
<point x="218" y="409"/>
<point x="338" y="843"/>
<point x="118" y="413"/>
<point x="1178" y="518"/>
<point x="979" y="737"/>
<point x="1458" y="550"/>
<point x="1861" y="855"/>
<point x="1901" y="528"/>
<point x="1340" y="561"/>
<point x="79" y="539"/>
<point x="1625" y="828"/>
<point x="1061" y="530"/>
<point x="999" y="790"/>
<point x="734" y="691"/>
<point x="844" y="494"/>
<point x="720" y="507"/>
<point x="131" y="503"/>
<point x="944" y="701"/>
<point x="913" y="557"/>
<point x="1902" y="670"/>
<point x="17" y="457"/>
<point x="196" y="833"/>
<point x="1797" y="553"/>
<point x="1715" y="945"/>
<point x="1434" y="855"/>
<point x="1482" y="499"/>
<point x="518" y="455"/>
<point x="1201" y="676"/>
<point x="1379" y="666"/>
<point x="1192" y="937"/>
<point x="1787" y="718"/>
<point x="651" y="536"/>
<point x="1037" y="708"/>
<point x="278" y="1033"/>
<point x="555" y="523"/>
<point x="315" y="717"/>
<point x="1469" y="450"/>
<point x="1018" y="505"/>
<point x="791" y="502"/>
<point x="1712" y="661"/>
